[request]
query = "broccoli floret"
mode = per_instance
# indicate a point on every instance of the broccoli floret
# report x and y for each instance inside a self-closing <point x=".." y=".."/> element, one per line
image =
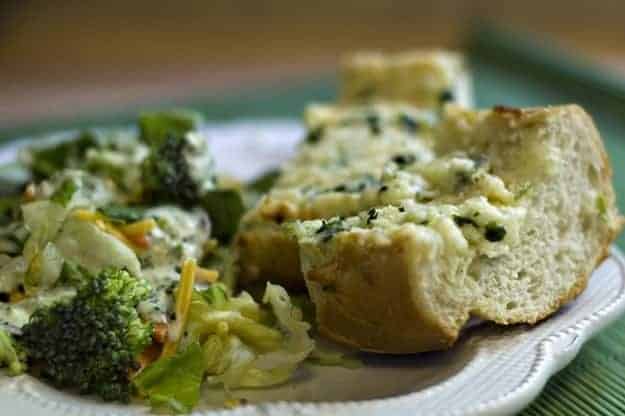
<point x="92" y="341"/>
<point x="166" y="174"/>
<point x="179" y="168"/>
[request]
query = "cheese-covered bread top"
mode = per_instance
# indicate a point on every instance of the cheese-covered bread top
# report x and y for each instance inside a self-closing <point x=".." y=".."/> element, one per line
<point x="426" y="79"/>
<point x="340" y="166"/>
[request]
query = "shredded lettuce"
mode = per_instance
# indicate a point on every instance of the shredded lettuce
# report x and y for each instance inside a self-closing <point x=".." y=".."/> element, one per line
<point x="9" y="355"/>
<point x="256" y="350"/>
<point x="174" y="382"/>
<point x="234" y="342"/>
<point x="65" y="192"/>
<point x="85" y="245"/>
<point x="43" y="219"/>
<point x="223" y="259"/>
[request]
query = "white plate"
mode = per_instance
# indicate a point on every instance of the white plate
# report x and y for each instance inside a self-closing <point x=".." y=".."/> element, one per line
<point x="491" y="370"/>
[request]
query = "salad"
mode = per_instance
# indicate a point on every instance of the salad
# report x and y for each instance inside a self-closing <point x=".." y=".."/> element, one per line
<point x="116" y="277"/>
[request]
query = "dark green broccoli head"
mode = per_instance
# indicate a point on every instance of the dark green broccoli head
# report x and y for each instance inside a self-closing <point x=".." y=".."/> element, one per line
<point x="167" y="174"/>
<point x="179" y="168"/>
<point x="92" y="341"/>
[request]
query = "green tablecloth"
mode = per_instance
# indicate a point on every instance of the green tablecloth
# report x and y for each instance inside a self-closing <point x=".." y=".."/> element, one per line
<point x="510" y="70"/>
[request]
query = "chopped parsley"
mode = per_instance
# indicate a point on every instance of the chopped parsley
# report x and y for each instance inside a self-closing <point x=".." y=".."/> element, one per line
<point x="523" y="190"/>
<point x="494" y="232"/>
<point x="372" y="214"/>
<point x="462" y="179"/>
<point x="460" y="221"/>
<point x="445" y="96"/>
<point x="358" y="185"/>
<point x="314" y="135"/>
<point x="403" y="160"/>
<point x="374" y="124"/>
<point x="409" y="123"/>
<point x="329" y="228"/>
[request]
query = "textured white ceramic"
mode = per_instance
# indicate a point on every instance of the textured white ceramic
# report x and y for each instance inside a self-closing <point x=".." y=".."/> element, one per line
<point x="491" y="371"/>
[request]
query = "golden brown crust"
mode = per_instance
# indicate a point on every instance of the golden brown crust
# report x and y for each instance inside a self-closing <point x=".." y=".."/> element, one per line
<point x="581" y="282"/>
<point x="267" y="253"/>
<point x="365" y="299"/>
<point x="390" y="321"/>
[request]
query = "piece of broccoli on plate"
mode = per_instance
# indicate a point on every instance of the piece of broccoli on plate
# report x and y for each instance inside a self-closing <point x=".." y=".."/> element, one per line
<point x="179" y="167"/>
<point x="92" y="341"/>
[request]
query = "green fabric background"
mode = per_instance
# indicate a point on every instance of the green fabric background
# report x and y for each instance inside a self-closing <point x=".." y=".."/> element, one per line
<point x="509" y="69"/>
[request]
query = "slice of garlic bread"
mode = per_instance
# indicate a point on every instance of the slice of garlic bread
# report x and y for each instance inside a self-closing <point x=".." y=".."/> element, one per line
<point x="510" y="247"/>
<point x="336" y="172"/>
<point x="427" y="79"/>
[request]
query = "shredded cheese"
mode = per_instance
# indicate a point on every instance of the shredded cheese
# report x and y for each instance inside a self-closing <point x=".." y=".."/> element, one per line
<point x="138" y="228"/>
<point x="183" y="301"/>
<point x="134" y="235"/>
<point x="206" y="275"/>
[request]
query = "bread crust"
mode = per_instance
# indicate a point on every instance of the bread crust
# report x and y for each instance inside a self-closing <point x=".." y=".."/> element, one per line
<point x="369" y="274"/>
<point x="418" y="78"/>
<point x="267" y="253"/>
<point x="378" y="304"/>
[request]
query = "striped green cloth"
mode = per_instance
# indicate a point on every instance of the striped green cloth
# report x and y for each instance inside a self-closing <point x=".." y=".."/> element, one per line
<point x="509" y="69"/>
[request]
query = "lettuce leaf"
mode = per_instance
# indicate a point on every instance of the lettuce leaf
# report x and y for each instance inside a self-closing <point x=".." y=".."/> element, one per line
<point x="9" y="355"/>
<point x="225" y="208"/>
<point x="154" y="127"/>
<point x="263" y="357"/>
<point x="174" y="382"/>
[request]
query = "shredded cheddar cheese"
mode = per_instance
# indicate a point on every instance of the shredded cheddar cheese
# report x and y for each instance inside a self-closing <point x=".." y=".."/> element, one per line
<point x="134" y="235"/>
<point x="142" y="227"/>
<point x="206" y="275"/>
<point x="183" y="301"/>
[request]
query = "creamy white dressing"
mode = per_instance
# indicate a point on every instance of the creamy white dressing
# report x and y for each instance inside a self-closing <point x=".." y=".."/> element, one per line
<point x="50" y="236"/>
<point x="200" y="160"/>
<point x="179" y="235"/>
<point x="13" y="316"/>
